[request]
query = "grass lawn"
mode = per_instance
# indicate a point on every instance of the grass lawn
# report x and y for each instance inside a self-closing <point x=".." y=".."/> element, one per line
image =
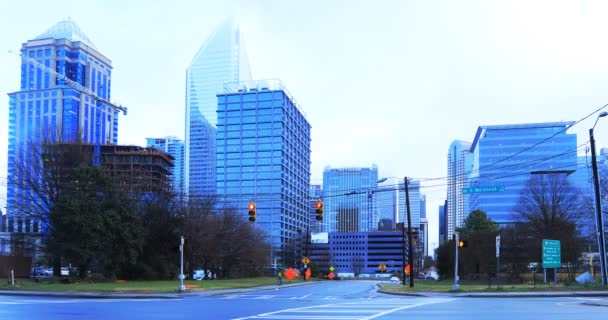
<point x="165" y="286"/>
<point x="446" y="286"/>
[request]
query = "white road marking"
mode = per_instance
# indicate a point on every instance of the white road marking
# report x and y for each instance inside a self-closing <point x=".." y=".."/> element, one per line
<point x="348" y="311"/>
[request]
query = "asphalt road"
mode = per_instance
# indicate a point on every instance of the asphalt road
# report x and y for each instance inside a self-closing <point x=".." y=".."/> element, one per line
<point x="340" y="300"/>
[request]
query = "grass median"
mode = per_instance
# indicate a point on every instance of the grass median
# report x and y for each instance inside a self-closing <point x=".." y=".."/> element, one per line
<point x="163" y="286"/>
<point x="446" y="286"/>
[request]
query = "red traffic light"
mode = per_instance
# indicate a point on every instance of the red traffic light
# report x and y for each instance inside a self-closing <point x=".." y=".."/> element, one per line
<point x="252" y="206"/>
<point x="319" y="204"/>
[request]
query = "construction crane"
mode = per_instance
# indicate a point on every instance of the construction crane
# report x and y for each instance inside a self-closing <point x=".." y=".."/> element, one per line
<point x="70" y="82"/>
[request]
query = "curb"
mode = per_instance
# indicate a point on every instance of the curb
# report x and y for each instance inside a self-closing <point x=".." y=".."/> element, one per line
<point x="101" y="295"/>
<point x="547" y="294"/>
<point x="88" y="295"/>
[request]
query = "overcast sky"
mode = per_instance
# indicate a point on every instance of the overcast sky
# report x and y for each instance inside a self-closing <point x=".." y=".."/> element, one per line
<point x="384" y="82"/>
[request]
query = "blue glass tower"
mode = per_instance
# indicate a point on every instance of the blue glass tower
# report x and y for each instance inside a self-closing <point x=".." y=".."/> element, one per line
<point x="221" y="59"/>
<point x="349" y="199"/>
<point x="263" y="153"/>
<point x="175" y="147"/>
<point x="64" y="96"/>
<point x="497" y="143"/>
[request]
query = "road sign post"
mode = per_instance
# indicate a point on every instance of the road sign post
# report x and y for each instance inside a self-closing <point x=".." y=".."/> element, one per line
<point x="552" y="257"/>
<point x="498" y="261"/>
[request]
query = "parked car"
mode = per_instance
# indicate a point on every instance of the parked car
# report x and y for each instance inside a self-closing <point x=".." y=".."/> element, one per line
<point x="41" y="272"/>
<point x="395" y="279"/>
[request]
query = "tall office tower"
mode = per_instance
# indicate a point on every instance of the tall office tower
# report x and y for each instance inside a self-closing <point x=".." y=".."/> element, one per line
<point x="387" y="203"/>
<point x="64" y="96"/>
<point x="349" y="199"/>
<point x="263" y="155"/>
<point x="221" y="59"/>
<point x="175" y="147"/>
<point x="460" y="162"/>
<point x="505" y="157"/>
<point x="316" y="193"/>
<point x="423" y="205"/>
<point x="442" y="224"/>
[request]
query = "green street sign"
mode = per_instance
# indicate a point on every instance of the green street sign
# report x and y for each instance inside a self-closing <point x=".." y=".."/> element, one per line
<point x="552" y="254"/>
<point x="483" y="189"/>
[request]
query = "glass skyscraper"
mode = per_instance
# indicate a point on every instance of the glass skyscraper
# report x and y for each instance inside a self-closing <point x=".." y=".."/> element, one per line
<point x="348" y="195"/>
<point x="175" y="147"/>
<point x="263" y="154"/>
<point x="64" y="96"/>
<point x="460" y="162"/>
<point x="505" y="156"/>
<point x="221" y="59"/>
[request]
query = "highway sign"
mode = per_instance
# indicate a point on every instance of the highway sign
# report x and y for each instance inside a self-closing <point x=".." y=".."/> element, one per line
<point x="483" y="189"/>
<point x="552" y="254"/>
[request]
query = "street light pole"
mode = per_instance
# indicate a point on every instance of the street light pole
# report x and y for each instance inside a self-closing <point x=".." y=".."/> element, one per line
<point x="181" y="287"/>
<point x="598" y="206"/>
<point x="455" y="286"/>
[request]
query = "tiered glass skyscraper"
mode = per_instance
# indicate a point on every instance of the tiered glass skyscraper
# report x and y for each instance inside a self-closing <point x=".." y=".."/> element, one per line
<point x="221" y="59"/>
<point x="175" y="147"/>
<point x="460" y="163"/>
<point x="263" y="154"/>
<point x="64" y="95"/>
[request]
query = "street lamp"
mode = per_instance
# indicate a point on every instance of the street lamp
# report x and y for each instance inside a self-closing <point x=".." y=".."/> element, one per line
<point x="598" y="203"/>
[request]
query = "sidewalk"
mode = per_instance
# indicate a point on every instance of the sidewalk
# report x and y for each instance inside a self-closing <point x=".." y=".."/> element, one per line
<point x="108" y="295"/>
<point x="553" y="294"/>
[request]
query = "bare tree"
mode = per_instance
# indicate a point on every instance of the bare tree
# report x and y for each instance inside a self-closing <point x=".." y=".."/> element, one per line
<point x="553" y="209"/>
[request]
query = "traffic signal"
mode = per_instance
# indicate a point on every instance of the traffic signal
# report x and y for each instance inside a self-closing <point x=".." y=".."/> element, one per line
<point x="462" y="244"/>
<point x="251" y="208"/>
<point x="319" y="210"/>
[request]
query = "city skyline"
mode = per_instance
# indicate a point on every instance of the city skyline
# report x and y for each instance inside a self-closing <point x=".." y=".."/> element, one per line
<point x="438" y="83"/>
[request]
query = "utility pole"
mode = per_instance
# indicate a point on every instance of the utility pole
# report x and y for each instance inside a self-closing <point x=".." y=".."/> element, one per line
<point x="410" y="251"/>
<point x="598" y="210"/>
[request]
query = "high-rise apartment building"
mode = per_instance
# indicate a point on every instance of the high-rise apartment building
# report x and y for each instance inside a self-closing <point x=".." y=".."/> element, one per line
<point x="505" y="156"/>
<point x="221" y="59"/>
<point x="460" y="162"/>
<point x="64" y="96"/>
<point x="174" y="147"/>
<point x="442" y="232"/>
<point x="263" y="155"/>
<point x="348" y="195"/>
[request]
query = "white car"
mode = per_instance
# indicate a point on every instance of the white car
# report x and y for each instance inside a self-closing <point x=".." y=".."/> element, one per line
<point x="394" y="279"/>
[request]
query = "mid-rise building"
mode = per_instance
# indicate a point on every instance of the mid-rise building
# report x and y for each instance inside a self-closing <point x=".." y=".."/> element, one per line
<point x="460" y="162"/>
<point x="174" y="147"/>
<point x="505" y="156"/>
<point x="348" y="195"/>
<point x="358" y="253"/>
<point x="221" y="59"/>
<point x="263" y="155"/>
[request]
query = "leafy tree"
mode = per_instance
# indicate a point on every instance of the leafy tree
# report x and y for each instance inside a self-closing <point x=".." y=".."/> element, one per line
<point x="477" y="221"/>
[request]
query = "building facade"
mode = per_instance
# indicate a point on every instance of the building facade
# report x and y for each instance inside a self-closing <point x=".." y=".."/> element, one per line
<point x="64" y="95"/>
<point x="460" y="162"/>
<point x="263" y="154"/>
<point x="221" y="59"/>
<point x="348" y="195"/>
<point x="174" y="147"/>
<point x="360" y="253"/>
<point x="505" y="156"/>
<point x="442" y="223"/>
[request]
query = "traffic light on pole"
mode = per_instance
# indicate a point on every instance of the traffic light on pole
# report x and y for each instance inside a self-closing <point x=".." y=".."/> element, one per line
<point x="319" y="210"/>
<point x="462" y="244"/>
<point x="251" y="208"/>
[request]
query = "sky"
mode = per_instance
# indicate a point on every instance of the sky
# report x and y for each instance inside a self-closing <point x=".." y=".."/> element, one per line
<point x="391" y="83"/>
